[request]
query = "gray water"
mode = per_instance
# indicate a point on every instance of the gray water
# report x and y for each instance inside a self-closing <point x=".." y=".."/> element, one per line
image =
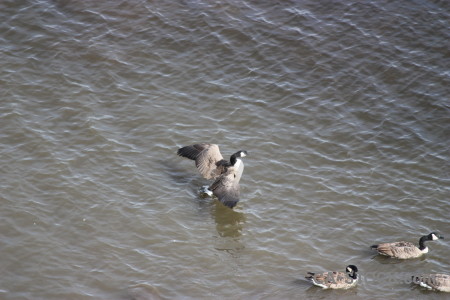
<point x="342" y="106"/>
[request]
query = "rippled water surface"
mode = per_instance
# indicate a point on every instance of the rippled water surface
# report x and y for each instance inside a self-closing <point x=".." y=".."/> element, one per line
<point x="343" y="107"/>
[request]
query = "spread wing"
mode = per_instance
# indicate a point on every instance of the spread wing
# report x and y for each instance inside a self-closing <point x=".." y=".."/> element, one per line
<point x="192" y="151"/>
<point x="206" y="157"/>
<point x="226" y="188"/>
<point x="207" y="160"/>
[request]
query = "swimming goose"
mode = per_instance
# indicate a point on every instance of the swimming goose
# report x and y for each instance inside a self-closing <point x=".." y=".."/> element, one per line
<point x="335" y="280"/>
<point x="211" y="165"/>
<point x="437" y="282"/>
<point x="405" y="250"/>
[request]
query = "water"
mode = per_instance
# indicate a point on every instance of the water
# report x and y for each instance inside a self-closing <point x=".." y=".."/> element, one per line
<point x="342" y="106"/>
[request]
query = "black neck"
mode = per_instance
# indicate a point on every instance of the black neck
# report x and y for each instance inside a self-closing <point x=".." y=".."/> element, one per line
<point x="353" y="275"/>
<point x="422" y="242"/>
<point x="233" y="159"/>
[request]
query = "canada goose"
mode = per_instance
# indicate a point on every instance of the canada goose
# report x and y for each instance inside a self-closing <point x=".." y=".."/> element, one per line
<point x="405" y="250"/>
<point x="437" y="282"/>
<point x="335" y="280"/>
<point x="211" y="165"/>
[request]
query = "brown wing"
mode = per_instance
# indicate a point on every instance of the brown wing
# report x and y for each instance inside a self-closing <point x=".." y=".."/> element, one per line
<point x="207" y="160"/>
<point x="323" y="278"/>
<point x="440" y="282"/>
<point x="385" y="249"/>
<point x="333" y="280"/>
<point x="341" y="280"/>
<point x="206" y="157"/>
<point x="226" y="188"/>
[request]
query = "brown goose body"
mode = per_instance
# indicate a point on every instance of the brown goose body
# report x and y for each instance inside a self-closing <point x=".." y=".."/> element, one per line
<point x="400" y="250"/>
<point x="437" y="282"/>
<point x="406" y="250"/>
<point x="335" y="280"/>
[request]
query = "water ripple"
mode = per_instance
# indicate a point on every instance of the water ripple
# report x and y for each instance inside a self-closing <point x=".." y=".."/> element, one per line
<point x="340" y="105"/>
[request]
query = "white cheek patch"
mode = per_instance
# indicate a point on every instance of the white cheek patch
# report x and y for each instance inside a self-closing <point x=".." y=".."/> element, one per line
<point x="243" y="154"/>
<point x="434" y="237"/>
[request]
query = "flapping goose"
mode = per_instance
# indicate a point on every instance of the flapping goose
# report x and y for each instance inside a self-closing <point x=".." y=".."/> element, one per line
<point x="335" y="280"/>
<point x="437" y="282"/>
<point x="405" y="250"/>
<point x="211" y="165"/>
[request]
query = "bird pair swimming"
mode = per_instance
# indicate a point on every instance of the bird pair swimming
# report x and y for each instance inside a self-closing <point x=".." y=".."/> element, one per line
<point x="400" y="250"/>
<point x="211" y="165"/>
<point x="349" y="278"/>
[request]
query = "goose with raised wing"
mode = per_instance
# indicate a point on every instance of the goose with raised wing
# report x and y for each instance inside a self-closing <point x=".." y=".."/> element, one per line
<point x="211" y="165"/>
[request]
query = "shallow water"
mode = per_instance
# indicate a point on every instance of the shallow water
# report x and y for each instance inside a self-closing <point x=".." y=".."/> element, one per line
<point x="343" y="108"/>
